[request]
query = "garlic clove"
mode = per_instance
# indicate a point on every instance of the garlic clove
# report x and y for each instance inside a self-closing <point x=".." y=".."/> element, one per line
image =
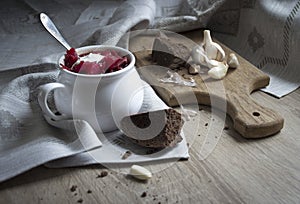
<point x="233" y="61"/>
<point x="212" y="63"/>
<point x="213" y="50"/>
<point x="199" y="57"/>
<point x="218" y="72"/>
<point x="140" y="172"/>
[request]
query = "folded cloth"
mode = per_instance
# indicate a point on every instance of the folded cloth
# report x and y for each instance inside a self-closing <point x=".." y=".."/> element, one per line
<point x="27" y="140"/>
<point x="246" y="27"/>
<point x="267" y="34"/>
<point x="25" y="42"/>
<point x="264" y="32"/>
<point x="115" y="145"/>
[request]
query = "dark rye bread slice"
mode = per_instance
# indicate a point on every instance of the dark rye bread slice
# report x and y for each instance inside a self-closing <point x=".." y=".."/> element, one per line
<point x="155" y="129"/>
<point x="167" y="52"/>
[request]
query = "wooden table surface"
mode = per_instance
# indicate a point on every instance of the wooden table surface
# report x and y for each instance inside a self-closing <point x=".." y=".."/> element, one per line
<point x="238" y="170"/>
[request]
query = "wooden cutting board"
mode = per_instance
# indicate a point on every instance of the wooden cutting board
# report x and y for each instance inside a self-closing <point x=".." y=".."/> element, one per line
<point x="250" y="119"/>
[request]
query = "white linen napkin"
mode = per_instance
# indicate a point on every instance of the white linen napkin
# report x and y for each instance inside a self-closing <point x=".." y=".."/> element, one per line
<point x="26" y="139"/>
<point x="115" y="145"/>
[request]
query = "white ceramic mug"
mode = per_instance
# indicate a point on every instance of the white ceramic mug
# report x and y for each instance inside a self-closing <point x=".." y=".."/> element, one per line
<point x="102" y="100"/>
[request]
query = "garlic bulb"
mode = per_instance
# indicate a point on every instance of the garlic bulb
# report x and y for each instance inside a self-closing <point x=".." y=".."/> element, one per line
<point x="213" y="50"/>
<point x="199" y="57"/>
<point x="212" y="55"/>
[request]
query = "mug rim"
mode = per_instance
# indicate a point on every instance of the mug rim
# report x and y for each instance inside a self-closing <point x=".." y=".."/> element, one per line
<point x="100" y="47"/>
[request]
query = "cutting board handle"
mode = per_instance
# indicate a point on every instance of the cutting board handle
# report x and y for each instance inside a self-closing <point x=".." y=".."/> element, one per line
<point x="251" y="119"/>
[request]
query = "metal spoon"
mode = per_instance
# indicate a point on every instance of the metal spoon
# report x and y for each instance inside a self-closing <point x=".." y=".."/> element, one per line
<point x="51" y="28"/>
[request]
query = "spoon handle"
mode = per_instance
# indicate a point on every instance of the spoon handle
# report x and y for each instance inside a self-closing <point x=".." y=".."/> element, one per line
<point x="51" y="28"/>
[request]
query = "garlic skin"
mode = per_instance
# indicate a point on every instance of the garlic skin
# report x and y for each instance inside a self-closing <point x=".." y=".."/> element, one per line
<point x="198" y="55"/>
<point x="218" y="72"/>
<point x="140" y="172"/>
<point x="233" y="61"/>
<point x="213" y="50"/>
<point x="194" y="69"/>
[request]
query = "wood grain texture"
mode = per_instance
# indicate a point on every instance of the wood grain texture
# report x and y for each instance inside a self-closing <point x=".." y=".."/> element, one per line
<point x="251" y="119"/>
<point x="238" y="170"/>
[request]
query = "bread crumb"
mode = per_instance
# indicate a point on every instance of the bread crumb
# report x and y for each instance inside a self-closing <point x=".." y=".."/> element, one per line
<point x="144" y="194"/>
<point x="126" y="154"/>
<point x="102" y="174"/>
<point x="226" y="127"/>
<point x="73" y="188"/>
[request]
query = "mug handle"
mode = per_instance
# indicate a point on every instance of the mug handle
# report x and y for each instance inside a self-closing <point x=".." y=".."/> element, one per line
<point x="42" y="99"/>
